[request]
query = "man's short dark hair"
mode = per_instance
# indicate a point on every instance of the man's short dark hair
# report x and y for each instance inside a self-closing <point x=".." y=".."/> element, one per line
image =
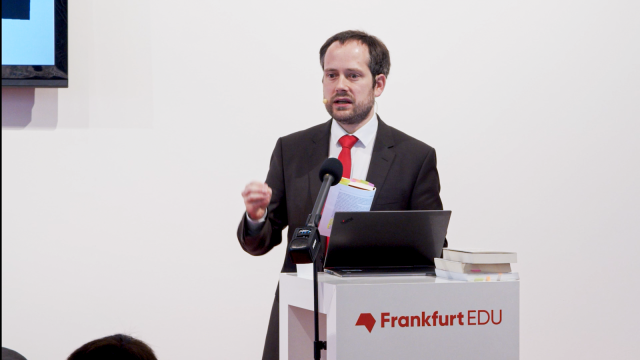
<point x="114" y="347"/>
<point x="379" y="59"/>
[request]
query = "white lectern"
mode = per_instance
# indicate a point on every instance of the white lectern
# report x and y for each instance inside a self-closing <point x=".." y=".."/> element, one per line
<point x="400" y="317"/>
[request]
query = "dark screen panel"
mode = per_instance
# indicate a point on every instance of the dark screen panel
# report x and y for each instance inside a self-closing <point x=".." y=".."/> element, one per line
<point x="16" y="9"/>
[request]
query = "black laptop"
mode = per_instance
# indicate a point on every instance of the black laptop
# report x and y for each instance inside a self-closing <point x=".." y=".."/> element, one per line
<point x="386" y="243"/>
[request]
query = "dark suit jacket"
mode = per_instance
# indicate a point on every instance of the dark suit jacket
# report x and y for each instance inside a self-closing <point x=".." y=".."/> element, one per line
<point x="402" y="168"/>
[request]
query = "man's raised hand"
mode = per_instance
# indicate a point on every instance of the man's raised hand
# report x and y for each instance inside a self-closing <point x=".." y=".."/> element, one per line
<point x="256" y="197"/>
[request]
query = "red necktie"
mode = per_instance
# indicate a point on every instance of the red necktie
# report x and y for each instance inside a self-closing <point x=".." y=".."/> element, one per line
<point x="347" y="143"/>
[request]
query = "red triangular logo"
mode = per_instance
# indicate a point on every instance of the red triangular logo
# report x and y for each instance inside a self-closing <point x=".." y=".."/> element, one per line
<point x="366" y="320"/>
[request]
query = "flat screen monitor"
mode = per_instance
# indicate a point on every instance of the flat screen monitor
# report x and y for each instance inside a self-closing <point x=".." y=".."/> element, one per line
<point x="34" y="43"/>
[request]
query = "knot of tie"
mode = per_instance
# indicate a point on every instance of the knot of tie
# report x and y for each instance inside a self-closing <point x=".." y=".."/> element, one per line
<point x="348" y="141"/>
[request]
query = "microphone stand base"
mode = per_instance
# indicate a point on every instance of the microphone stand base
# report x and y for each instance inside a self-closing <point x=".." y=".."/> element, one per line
<point x="318" y="346"/>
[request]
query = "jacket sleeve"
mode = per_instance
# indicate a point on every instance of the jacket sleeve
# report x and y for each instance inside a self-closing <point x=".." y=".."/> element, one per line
<point x="271" y="233"/>
<point x="426" y="192"/>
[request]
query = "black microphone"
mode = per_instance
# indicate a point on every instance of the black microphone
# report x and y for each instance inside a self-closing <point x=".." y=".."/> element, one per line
<point x="305" y="243"/>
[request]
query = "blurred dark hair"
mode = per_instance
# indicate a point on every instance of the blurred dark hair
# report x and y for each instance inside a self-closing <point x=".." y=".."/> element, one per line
<point x="379" y="59"/>
<point x="114" y="347"/>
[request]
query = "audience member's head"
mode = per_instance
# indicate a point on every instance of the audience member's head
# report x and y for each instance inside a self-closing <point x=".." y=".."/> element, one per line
<point x="8" y="354"/>
<point x="115" y="347"/>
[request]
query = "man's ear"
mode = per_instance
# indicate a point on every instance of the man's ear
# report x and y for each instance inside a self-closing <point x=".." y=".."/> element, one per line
<point x="381" y="82"/>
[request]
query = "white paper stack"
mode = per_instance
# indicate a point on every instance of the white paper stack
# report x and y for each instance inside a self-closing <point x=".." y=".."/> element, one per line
<point x="476" y="265"/>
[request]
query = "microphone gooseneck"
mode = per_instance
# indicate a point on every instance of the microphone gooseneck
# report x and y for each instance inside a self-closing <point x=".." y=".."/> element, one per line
<point x="330" y="175"/>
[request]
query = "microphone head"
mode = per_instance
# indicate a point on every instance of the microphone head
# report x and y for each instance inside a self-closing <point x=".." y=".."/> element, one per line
<point x="333" y="167"/>
<point x="325" y="101"/>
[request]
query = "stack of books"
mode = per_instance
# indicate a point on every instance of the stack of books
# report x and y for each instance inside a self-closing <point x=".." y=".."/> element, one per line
<point x="476" y="265"/>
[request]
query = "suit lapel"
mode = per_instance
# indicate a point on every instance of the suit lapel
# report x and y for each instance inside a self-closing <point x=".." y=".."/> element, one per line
<point x="318" y="153"/>
<point x="381" y="158"/>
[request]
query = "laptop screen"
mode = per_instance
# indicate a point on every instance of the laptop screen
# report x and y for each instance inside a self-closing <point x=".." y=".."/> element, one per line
<point x="377" y="239"/>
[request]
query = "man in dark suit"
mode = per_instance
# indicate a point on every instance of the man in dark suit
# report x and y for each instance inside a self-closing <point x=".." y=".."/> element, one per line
<point x="403" y="169"/>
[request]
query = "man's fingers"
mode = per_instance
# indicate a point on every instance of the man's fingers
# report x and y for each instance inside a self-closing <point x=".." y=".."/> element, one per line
<point x="256" y="197"/>
<point x="257" y="188"/>
<point x="257" y="204"/>
<point x="252" y="197"/>
<point x="250" y="189"/>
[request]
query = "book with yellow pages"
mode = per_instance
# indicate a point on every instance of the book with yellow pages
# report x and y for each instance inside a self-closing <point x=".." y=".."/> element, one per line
<point x="348" y="195"/>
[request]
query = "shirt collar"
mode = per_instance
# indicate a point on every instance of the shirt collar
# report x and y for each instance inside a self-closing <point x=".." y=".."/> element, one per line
<point x="366" y="134"/>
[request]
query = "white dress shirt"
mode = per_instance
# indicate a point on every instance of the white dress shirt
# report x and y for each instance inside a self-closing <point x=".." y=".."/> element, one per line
<point x="360" y="156"/>
<point x="360" y="152"/>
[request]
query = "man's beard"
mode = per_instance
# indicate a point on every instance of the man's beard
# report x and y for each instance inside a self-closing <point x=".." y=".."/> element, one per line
<point x="358" y="113"/>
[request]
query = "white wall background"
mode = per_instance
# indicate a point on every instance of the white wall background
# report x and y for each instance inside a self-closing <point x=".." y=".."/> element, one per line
<point x="121" y="194"/>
